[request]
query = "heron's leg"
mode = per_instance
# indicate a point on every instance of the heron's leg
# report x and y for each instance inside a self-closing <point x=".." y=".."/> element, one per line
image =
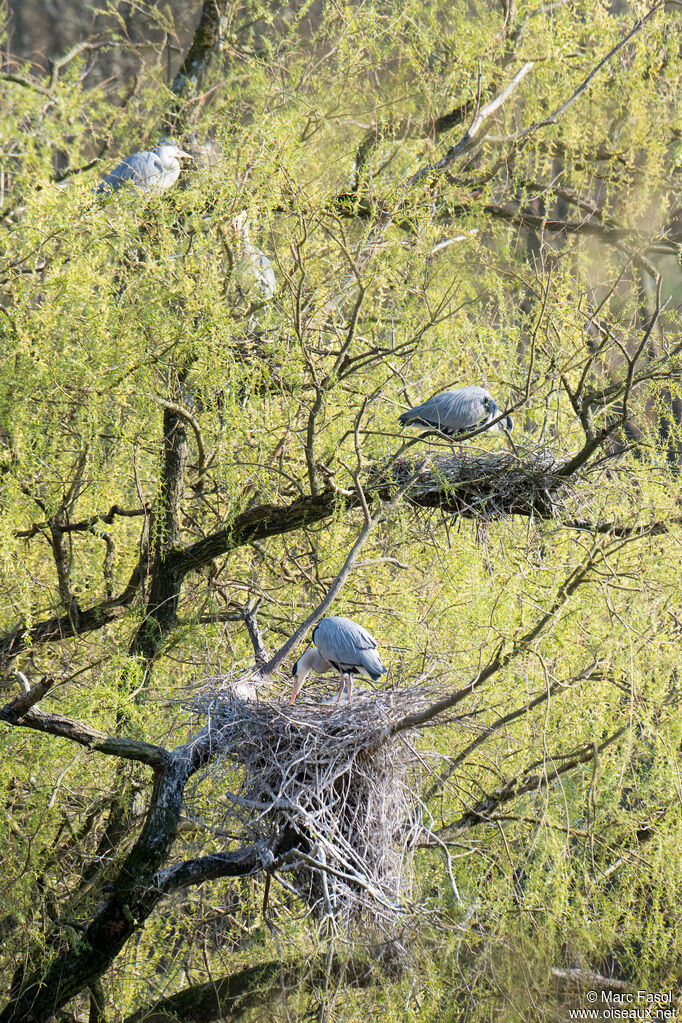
<point x="350" y="685"/>
<point x="342" y="686"/>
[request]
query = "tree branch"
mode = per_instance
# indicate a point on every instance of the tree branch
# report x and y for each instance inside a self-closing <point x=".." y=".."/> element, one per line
<point x="17" y="707"/>
<point x="238" y="863"/>
<point x="468" y="140"/>
<point x="83" y="525"/>
<point x="502" y="658"/>
<point x="19" y="714"/>
<point x="526" y="782"/>
<point x="345" y="569"/>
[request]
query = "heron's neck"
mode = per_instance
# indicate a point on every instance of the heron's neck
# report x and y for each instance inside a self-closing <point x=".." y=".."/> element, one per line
<point x="312" y="660"/>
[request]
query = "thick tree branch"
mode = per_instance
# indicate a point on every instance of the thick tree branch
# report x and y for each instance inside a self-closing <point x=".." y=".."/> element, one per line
<point x="206" y="38"/>
<point x="82" y="525"/>
<point x="225" y="998"/>
<point x="498" y="485"/>
<point x="19" y="714"/>
<point x="620" y="529"/>
<point x="57" y="628"/>
<point x="17" y="707"/>
<point x="239" y="863"/>
<point x="166" y="581"/>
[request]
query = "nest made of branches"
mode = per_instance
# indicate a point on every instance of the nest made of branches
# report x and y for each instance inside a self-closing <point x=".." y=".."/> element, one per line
<point x="330" y="780"/>
<point x="478" y="484"/>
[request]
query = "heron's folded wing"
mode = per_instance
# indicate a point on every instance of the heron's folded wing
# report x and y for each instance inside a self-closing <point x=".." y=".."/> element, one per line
<point x="342" y="641"/>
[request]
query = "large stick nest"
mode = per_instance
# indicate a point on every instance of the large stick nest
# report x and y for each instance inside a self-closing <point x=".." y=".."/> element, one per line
<point x="478" y="484"/>
<point x="329" y="779"/>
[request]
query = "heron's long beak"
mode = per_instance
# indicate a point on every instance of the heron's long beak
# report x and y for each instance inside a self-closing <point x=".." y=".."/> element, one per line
<point x="188" y="156"/>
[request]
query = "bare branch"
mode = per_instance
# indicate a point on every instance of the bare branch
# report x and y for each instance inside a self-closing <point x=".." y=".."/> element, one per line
<point x="16" y="714"/>
<point x="503" y="657"/>
<point x="468" y="140"/>
<point x="83" y="525"/>
<point x="248" y="615"/>
<point x="526" y="782"/>
<point x="23" y="703"/>
<point x="341" y="576"/>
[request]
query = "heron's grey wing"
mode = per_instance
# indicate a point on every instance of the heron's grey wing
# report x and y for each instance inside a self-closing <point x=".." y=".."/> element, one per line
<point x="347" y="643"/>
<point x="140" y="169"/>
<point x="372" y="664"/>
<point x="452" y="411"/>
<point x="424" y="414"/>
<point x="463" y="409"/>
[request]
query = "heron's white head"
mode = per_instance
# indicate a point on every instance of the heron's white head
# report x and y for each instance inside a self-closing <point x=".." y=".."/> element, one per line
<point x="168" y="154"/>
<point x="311" y="660"/>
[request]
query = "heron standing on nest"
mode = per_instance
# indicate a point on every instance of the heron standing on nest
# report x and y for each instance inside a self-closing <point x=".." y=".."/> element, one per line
<point x="252" y="268"/>
<point x="458" y="412"/>
<point x="343" y="645"/>
<point x="152" y="170"/>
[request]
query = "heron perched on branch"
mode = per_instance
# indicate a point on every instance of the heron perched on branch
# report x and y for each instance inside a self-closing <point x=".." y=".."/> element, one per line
<point x="152" y="170"/>
<point x="252" y="268"/>
<point x="458" y="412"/>
<point x="342" y="645"/>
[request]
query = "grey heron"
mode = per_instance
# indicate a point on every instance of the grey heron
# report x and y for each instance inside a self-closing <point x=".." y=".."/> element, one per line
<point x="456" y="412"/>
<point x="343" y="645"/>
<point x="252" y="268"/>
<point x="149" y="170"/>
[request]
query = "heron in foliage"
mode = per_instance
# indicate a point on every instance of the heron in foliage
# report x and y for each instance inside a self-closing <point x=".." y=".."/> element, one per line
<point x="152" y="170"/>
<point x="252" y="268"/>
<point x="458" y="412"/>
<point x="342" y="645"/>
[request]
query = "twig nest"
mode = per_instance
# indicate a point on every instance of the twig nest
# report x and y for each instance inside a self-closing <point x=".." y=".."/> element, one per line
<point x="334" y="780"/>
<point x="479" y="484"/>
